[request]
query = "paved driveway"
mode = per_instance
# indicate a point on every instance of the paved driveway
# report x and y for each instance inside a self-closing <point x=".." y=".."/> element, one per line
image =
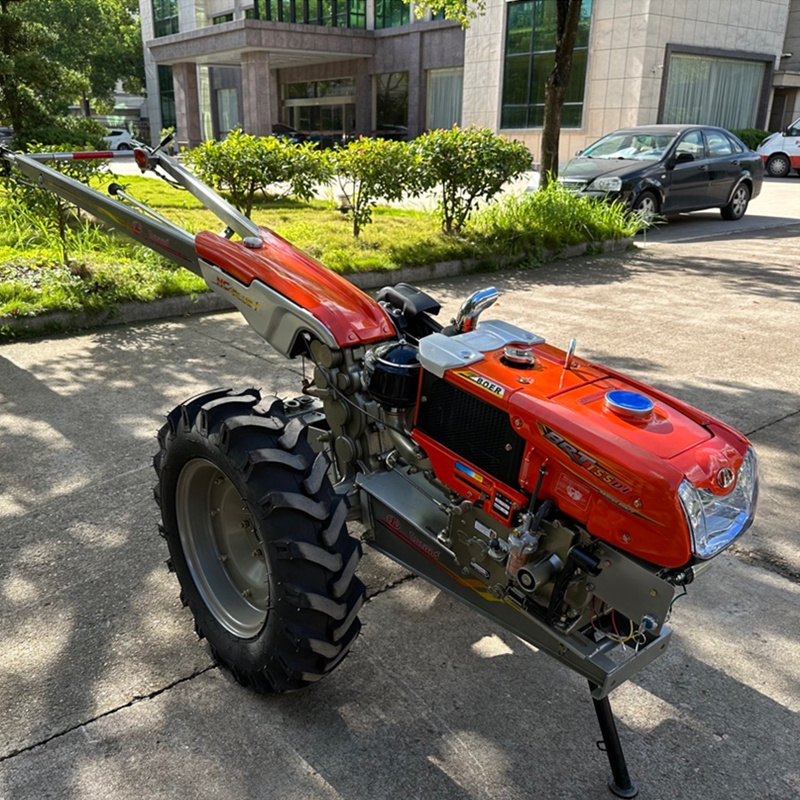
<point x="104" y="691"/>
<point x="777" y="205"/>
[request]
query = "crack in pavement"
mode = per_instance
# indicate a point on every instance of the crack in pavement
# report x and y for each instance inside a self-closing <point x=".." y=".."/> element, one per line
<point x="156" y="692"/>
<point x="134" y="701"/>
<point x="774" y="422"/>
<point x="392" y="585"/>
<point x="747" y="557"/>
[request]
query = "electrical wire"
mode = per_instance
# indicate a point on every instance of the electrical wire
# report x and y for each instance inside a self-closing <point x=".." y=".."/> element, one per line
<point x="616" y="636"/>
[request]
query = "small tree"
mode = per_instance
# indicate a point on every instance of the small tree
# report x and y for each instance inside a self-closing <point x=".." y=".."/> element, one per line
<point x="555" y="87"/>
<point x="244" y="165"/>
<point x="468" y="165"/>
<point x="371" y="169"/>
<point x="50" y="209"/>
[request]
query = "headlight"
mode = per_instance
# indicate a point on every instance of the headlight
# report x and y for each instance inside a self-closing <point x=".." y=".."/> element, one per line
<point x="716" y="521"/>
<point x="607" y="184"/>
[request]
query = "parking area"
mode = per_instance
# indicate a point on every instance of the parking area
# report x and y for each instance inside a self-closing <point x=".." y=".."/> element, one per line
<point x="106" y="692"/>
<point x="777" y="205"/>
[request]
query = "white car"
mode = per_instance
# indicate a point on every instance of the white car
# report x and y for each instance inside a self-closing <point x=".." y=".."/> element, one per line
<point x="120" y="139"/>
<point x="781" y="151"/>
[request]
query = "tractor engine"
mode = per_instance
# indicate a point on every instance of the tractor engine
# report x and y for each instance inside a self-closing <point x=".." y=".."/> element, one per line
<point x="567" y="488"/>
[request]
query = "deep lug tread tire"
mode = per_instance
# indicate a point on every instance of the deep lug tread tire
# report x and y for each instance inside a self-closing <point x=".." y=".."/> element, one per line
<point x="310" y="614"/>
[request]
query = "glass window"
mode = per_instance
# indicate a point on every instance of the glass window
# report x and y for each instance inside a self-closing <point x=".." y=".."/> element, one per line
<point x="331" y="13"/>
<point x="166" y="94"/>
<point x="445" y="90"/>
<point x="530" y="50"/>
<point x="718" y="144"/>
<point x="220" y="18"/>
<point x="712" y="91"/>
<point x="738" y="147"/>
<point x="391" y="13"/>
<point x="391" y="103"/>
<point x="692" y="143"/>
<point x="338" y="87"/>
<point x="227" y="111"/>
<point x="357" y="11"/>
<point x="165" y="17"/>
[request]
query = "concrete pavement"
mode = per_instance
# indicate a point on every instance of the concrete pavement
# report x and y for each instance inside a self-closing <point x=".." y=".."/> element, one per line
<point x="105" y="692"/>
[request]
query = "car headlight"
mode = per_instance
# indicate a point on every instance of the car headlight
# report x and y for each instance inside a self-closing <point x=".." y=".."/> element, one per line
<point x="715" y="521"/>
<point x="607" y="184"/>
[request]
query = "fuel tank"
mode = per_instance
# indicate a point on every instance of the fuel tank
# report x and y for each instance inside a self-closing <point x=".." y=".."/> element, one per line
<point x="503" y="415"/>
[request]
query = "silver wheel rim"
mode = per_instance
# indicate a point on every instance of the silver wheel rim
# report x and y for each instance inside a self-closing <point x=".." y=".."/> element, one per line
<point x="222" y="550"/>
<point x="778" y="167"/>
<point x="739" y="201"/>
<point x="646" y="208"/>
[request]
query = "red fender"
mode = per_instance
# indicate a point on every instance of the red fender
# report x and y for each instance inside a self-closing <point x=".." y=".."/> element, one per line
<point x="352" y="316"/>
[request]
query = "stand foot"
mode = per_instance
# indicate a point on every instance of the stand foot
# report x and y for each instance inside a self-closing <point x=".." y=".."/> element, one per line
<point x="631" y="791"/>
<point x="620" y="782"/>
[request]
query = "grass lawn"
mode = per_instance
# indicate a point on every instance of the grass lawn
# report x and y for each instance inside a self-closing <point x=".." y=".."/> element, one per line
<point x="103" y="269"/>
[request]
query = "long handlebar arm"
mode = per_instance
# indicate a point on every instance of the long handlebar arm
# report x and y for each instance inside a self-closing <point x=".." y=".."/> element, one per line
<point x="155" y="232"/>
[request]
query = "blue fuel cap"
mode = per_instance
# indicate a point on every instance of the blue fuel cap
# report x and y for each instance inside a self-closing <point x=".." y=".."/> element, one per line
<point x="629" y="404"/>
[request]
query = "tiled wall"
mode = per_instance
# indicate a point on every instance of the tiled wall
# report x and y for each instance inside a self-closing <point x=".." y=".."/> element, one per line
<point x="626" y="57"/>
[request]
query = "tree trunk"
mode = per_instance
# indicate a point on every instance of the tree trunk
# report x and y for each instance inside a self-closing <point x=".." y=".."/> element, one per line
<point x="568" y="15"/>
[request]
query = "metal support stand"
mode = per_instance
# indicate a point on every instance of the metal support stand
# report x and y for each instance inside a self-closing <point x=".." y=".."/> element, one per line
<point x="620" y="782"/>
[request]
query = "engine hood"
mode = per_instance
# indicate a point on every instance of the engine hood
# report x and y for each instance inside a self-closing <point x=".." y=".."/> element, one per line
<point x="663" y="432"/>
<point x="590" y="168"/>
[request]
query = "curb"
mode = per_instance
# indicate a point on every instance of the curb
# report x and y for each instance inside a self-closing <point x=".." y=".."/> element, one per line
<point x="166" y="308"/>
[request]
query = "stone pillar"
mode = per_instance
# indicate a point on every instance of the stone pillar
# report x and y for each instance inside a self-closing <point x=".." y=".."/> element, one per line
<point x="187" y="104"/>
<point x="416" y="86"/>
<point x="363" y="103"/>
<point x="257" y="93"/>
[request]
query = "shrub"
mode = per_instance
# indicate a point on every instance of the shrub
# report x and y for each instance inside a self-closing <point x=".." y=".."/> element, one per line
<point x="468" y="164"/>
<point x="42" y="209"/>
<point x="373" y="169"/>
<point x="244" y="165"/>
<point x="551" y="218"/>
<point x="752" y="137"/>
<point x="68" y="133"/>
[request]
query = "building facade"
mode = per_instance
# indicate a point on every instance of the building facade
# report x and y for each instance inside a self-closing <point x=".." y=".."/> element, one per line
<point x="330" y="68"/>
<point x="338" y="68"/>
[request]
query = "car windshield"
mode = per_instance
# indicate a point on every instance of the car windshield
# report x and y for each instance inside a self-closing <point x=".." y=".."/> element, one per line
<point x="631" y="145"/>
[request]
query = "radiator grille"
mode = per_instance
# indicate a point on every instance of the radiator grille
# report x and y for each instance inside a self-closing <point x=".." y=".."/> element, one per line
<point x="472" y="428"/>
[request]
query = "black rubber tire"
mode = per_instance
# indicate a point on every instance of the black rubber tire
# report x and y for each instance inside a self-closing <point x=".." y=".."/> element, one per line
<point x="738" y="203"/>
<point x="124" y="146"/>
<point x="646" y="205"/>
<point x="266" y="466"/>
<point x="778" y="166"/>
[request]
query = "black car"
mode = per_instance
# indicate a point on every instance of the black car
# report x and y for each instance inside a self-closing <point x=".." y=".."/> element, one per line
<point x="290" y="134"/>
<point x="666" y="169"/>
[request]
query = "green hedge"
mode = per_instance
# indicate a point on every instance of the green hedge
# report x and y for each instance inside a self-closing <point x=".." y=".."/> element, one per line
<point x="752" y="137"/>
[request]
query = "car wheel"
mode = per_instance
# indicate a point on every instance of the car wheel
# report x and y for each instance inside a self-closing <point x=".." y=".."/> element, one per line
<point x="124" y="146"/>
<point x="778" y="166"/>
<point x="738" y="204"/>
<point x="646" y="207"/>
